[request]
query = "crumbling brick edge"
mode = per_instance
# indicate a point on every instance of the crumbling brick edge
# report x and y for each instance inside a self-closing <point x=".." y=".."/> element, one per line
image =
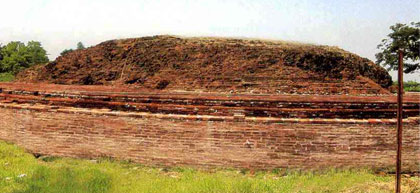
<point x="106" y="112"/>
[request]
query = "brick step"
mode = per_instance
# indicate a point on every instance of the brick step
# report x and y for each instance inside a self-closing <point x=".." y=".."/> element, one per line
<point x="224" y="109"/>
<point x="212" y="102"/>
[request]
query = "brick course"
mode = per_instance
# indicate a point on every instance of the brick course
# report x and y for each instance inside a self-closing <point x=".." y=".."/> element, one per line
<point x="225" y="140"/>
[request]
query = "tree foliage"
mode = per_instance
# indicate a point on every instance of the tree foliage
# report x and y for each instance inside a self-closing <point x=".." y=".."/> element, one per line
<point x="80" y="46"/>
<point x="16" y="56"/>
<point x="404" y="37"/>
<point x="1" y="55"/>
<point x="36" y="54"/>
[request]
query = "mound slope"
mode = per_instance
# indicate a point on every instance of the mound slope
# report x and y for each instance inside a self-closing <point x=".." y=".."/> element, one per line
<point x="216" y="65"/>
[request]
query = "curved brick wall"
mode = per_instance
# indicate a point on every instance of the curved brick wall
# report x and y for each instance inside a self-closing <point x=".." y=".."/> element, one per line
<point x="183" y="129"/>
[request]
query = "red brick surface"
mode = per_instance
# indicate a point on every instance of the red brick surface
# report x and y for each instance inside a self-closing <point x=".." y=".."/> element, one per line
<point x="71" y="122"/>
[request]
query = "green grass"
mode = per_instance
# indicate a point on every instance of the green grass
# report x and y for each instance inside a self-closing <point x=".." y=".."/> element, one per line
<point x="410" y="86"/>
<point x="6" y="77"/>
<point x="20" y="172"/>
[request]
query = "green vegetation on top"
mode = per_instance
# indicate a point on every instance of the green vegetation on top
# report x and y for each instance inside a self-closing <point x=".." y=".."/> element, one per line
<point x="20" y="172"/>
<point x="6" y="77"/>
<point x="80" y="46"/>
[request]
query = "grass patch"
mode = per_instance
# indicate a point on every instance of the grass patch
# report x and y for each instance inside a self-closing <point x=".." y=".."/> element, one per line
<point x="6" y="77"/>
<point x="410" y="86"/>
<point x="21" y="172"/>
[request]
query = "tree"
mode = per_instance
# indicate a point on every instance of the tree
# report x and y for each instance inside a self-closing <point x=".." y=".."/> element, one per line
<point x="1" y="56"/>
<point x="13" y="57"/>
<point x="80" y="46"/>
<point x="17" y="56"/>
<point x="404" y="37"/>
<point x="36" y="54"/>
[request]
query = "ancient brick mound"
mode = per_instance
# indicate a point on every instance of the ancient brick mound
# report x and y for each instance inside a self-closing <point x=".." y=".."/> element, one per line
<point x="216" y="65"/>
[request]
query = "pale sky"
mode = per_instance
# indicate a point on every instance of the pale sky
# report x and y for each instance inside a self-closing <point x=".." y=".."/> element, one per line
<point x="354" y="25"/>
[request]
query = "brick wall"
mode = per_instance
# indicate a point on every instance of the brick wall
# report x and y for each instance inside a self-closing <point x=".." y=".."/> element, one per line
<point x="209" y="129"/>
<point x="160" y="140"/>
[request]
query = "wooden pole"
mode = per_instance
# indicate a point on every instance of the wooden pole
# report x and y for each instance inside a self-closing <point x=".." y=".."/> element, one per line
<point x="399" y="122"/>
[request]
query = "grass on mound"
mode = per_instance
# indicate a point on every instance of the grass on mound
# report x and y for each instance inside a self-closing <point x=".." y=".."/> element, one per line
<point x="6" y="77"/>
<point x="20" y="172"/>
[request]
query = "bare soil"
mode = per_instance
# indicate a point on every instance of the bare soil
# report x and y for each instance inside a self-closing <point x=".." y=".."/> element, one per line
<point x="215" y="65"/>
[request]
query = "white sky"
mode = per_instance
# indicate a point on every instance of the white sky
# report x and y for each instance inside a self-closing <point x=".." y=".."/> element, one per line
<point x="354" y="25"/>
